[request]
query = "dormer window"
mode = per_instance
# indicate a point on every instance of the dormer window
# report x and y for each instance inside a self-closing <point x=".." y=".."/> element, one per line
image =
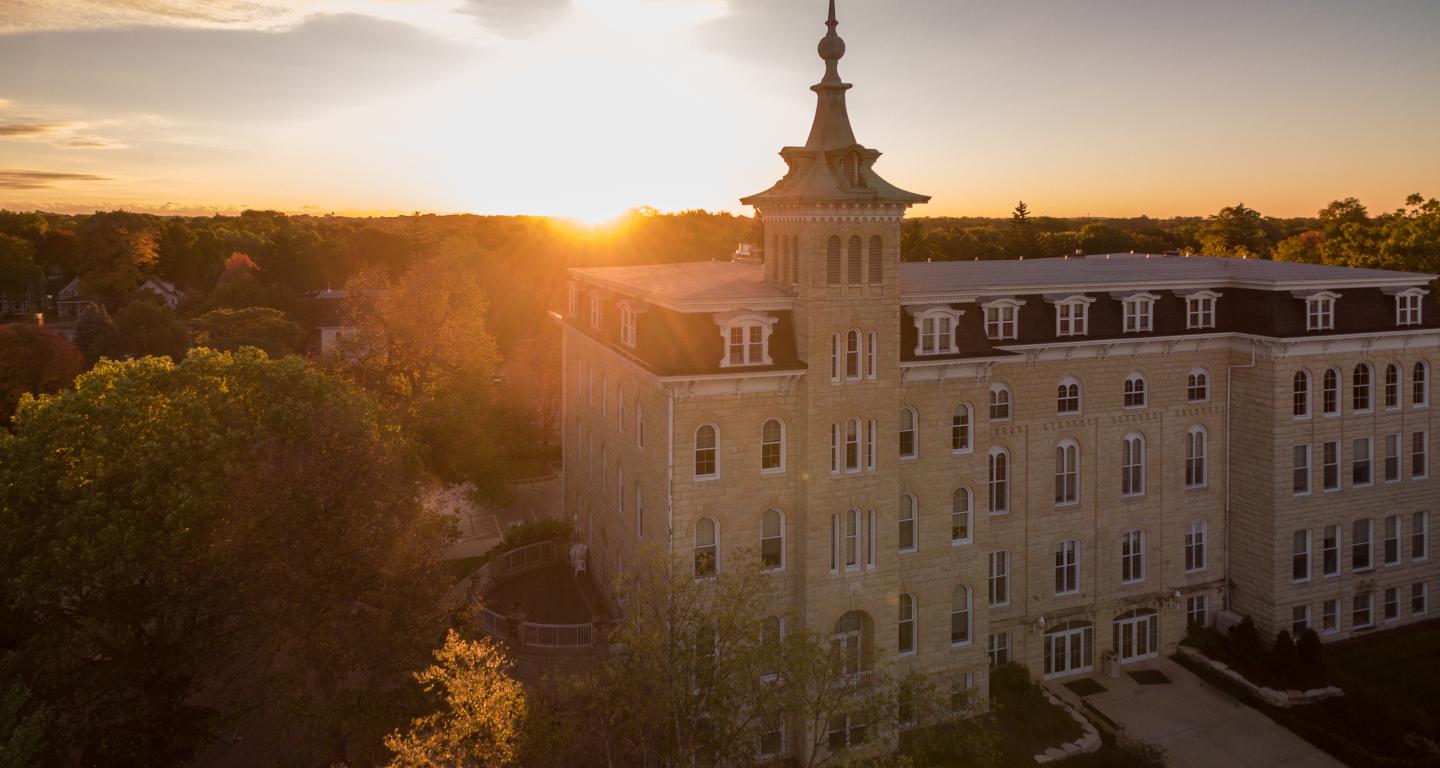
<point x="573" y="305"/>
<point x="1072" y="315"/>
<point x="597" y="312"/>
<point x="1408" y="308"/>
<point x="627" y="325"/>
<point x="935" y="328"/>
<point x="1002" y="319"/>
<point x="1139" y="313"/>
<point x="1200" y="310"/>
<point x="1320" y="311"/>
<point x="747" y="338"/>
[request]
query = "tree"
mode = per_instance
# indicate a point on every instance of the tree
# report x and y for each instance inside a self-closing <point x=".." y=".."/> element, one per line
<point x="93" y="331"/>
<point x="1310" y="653"/>
<point x="261" y="327"/>
<point x="22" y="726"/>
<point x="1283" y="659"/>
<point x="144" y="327"/>
<point x="1235" y="231"/>
<point x="1023" y="243"/>
<point x="229" y="525"/>
<point x="36" y="361"/>
<point x="1245" y="640"/>
<point x="482" y="713"/>
<point x="18" y="272"/>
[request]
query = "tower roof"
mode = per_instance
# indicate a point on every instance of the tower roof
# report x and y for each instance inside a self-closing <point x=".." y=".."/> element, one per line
<point x="832" y="166"/>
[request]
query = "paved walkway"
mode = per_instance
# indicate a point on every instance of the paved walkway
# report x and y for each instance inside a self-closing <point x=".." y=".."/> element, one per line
<point x="481" y="527"/>
<point x="1197" y="726"/>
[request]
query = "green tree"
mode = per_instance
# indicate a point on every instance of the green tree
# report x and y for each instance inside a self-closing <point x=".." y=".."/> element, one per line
<point x="144" y="327"/>
<point x="481" y="715"/>
<point x="1235" y="231"/>
<point x="1023" y="243"/>
<point x="93" y="331"/>
<point x="34" y="361"/>
<point x="18" y="272"/>
<point x="261" y="327"/>
<point x="1097" y="237"/>
<point x="22" y="726"/>
<point x="230" y="525"/>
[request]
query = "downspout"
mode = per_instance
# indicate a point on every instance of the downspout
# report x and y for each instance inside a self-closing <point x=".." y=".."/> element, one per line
<point x="670" y="469"/>
<point x="1229" y="420"/>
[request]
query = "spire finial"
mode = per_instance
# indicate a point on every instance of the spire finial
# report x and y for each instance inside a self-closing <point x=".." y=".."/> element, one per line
<point x="832" y="48"/>
<point x="832" y="23"/>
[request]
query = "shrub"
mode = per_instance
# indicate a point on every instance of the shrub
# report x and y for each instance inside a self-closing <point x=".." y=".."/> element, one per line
<point x="1283" y="659"/>
<point x="531" y="532"/>
<point x="1310" y="654"/>
<point x="1245" y="642"/>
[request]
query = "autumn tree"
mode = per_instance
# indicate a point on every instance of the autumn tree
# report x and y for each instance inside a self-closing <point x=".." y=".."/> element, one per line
<point x="261" y="327"/>
<point x="34" y="360"/>
<point x="189" y="544"/>
<point x="481" y="712"/>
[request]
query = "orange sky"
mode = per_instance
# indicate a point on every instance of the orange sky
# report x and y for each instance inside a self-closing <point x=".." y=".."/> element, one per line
<point x="585" y="108"/>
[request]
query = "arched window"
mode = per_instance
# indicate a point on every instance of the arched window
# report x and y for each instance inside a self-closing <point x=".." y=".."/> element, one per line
<point x="772" y="446"/>
<point x="707" y="442"/>
<point x="1067" y="395"/>
<point x="999" y="402"/>
<point x="960" y="508"/>
<point x="1392" y="386"/>
<point x="772" y="540"/>
<point x="871" y="351"/>
<point x="1197" y="386"/>
<point x="960" y="429"/>
<point x="1067" y="472"/>
<point x="907" y="521"/>
<point x="1195" y="448"/>
<point x="877" y="263"/>
<point x="960" y="615"/>
<point x="1132" y="465"/>
<point x="852" y="445"/>
<point x="1360" y="388"/>
<point x="1301" y="407"/>
<point x="851" y="641"/>
<point x="854" y="267"/>
<point x="909" y="440"/>
<point x="906" y="622"/>
<point x="1135" y="391"/>
<point x="1420" y="385"/>
<point x="1330" y="392"/>
<point x="852" y="355"/>
<point x="999" y="481"/>
<point x="707" y="548"/>
<point x="832" y="261"/>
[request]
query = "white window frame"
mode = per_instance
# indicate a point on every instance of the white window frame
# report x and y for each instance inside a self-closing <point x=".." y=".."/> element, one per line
<point x="1393" y="535"/>
<point x="935" y="330"/>
<point x="1132" y="556"/>
<point x="1132" y="466"/>
<point x="1197" y="462"/>
<point x="1197" y="379"/>
<point x="1366" y="599"/>
<point x="748" y="323"/>
<point x="1201" y="310"/>
<point x="1368" y="543"/>
<point x="1320" y="311"/>
<point x="1300" y="553"/>
<point x="871" y="354"/>
<point x="914" y="431"/>
<point x="1368" y="389"/>
<point x="1299" y="619"/>
<point x="713" y="546"/>
<point x="998" y="481"/>
<point x="1072" y="316"/>
<point x="959" y="513"/>
<point x="1063" y="396"/>
<point x="572" y="302"/>
<point x="965" y="608"/>
<point x="1365" y="458"/>
<point x="1067" y="473"/>
<point x="1420" y="536"/>
<point x="853" y="455"/>
<point x="780" y="517"/>
<point x="854" y="355"/>
<point x="1392" y="466"/>
<point x="962" y="429"/>
<point x="1420" y="384"/>
<point x="1002" y="319"/>
<point x="1327" y="467"/>
<point x="715" y="450"/>
<point x="628" y="318"/>
<point x="1300" y="394"/>
<point x="1420" y="457"/>
<point x="999" y="579"/>
<point x="906" y="618"/>
<point x="1002" y="402"/>
<point x="1330" y="616"/>
<point x="1302" y="457"/>
<point x="1420" y="592"/>
<point x="1067" y="567"/>
<point x="1409" y="307"/>
<point x="1138" y="312"/>
<point x="1338" y="550"/>
<point x="1330" y="395"/>
<point x="597" y="312"/>
<point x="1390" y="387"/>
<point x="778" y="444"/>
<point x="909" y="513"/>
<point x="1135" y="392"/>
<point x="1197" y="546"/>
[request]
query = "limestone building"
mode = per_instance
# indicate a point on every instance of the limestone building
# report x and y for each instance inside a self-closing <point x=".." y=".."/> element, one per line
<point x="1049" y="461"/>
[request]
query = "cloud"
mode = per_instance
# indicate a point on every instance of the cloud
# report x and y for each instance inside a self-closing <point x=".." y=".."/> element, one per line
<point x="36" y="15"/>
<point x="19" y="179"/>
<point x="515" y="18"/>
<point x="227" y="74"/>
<point x="30" y="130"/>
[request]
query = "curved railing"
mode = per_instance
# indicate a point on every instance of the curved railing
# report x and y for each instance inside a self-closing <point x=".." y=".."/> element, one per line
<point x="517" y="562"/>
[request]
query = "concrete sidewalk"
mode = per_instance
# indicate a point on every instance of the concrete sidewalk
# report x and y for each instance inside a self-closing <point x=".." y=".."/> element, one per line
<point x="1197" y="726"/>
<point x="481" y="526"/>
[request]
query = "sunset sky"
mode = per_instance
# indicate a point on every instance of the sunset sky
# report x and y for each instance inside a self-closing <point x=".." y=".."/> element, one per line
<point x="585" y="108"/>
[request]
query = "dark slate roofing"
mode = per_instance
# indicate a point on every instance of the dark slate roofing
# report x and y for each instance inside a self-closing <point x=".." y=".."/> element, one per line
<point x="685" y="286"/>
<point x="1123" y="271"/>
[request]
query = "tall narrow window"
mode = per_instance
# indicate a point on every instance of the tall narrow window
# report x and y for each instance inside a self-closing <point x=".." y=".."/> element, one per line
<point x="1132" y="557"/>
<point x="907" y="523"/>
<point x="1139" y="314"/>
<point x="1134" y="391"/>
<point x="772" y="540"/>
<point x="1360" y="388"/>
<point x="1419" y="598"/>
<point x="852" y="355"/>
<point x="1361" y="548"/>
<point x="852" y="539"/>
<point x="1419" y="454"/>
<point x="772" y="446"/>
<point x="908" y="441"/>
<point x="960" y="429"/>
<point x="832" y="261"/>
<point x="960" y="616"/>
<point x="999" y="578"/>
<point x="1067" y="396"/>
<point x="1197" y="386"/>
<point x="707" y="548"/>
<point x="795" y="259"/>
<point x="1067" y="567"/>
<point x="1001" y="320"/>
<point x="1300" y="472"/>
<point x="872" y="434"/>
<point x="1330" y="465"/>
<point x="852" y="445"/>
<point x="1330" y="392"/>
<point x="1320" y="313"/>
<point x="854" y="267"/>
<point x="1132" y="465"/>
<point x="1390" y="545"/>
<point x="1200" y="311"/>
<point x="1362" y="613"/>
<point x="834" y="448"/>
<point x="835" y="357"/>
<point x="1392" y="386"/>
<point x="1301" y="406"/>
<point x="1407" y="307"/>
<point x="1195" y="555"/>
<point x="706" y="452"/>
<point x="906" y="621"/>
<point x="877" y="260"/>
<point x="999" y="481"/>
<point x="1300" y="556"/>
<point x="870" y="539"/>
<point x="1419" y="385"/>
<point x="1392" y="458"/>
<point x="1361" y="473"/>
<point x="639" y="512"/>
<point x="1195" y="464"/>
<point x="627" y="326"/>
<point x="960" y="507"/>
<point x="1330" y="551"/>
<point x="999" y="402"/>
<point x="1420" y="536"/>
<point x="1067" y="472"/>
<point x="872" y="349"/>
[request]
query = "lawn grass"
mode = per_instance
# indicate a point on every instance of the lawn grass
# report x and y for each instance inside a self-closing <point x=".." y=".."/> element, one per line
<point x="1398" y="668"/>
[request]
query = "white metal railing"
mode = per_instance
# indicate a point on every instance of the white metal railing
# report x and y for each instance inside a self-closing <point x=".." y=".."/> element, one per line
<point x="516" y="562"/>
<point x="558" y="635"/>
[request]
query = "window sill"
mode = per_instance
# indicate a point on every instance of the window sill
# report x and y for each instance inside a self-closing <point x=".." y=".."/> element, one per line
<point x="706" y="478"/>
<point x="962" y="451"/>
<point x="1067" y="504"/>
<point x="1197" y="488"/>
<point x="772" y="472"/>
<point x="960" y="542"/>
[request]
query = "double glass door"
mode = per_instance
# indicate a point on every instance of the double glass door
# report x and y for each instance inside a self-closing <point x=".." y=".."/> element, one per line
<point x="1137" y="636"/>
<point x="1068" y="650"/>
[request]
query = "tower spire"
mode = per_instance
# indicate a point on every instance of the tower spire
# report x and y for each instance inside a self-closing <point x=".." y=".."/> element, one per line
<point x="831" y="129"/>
